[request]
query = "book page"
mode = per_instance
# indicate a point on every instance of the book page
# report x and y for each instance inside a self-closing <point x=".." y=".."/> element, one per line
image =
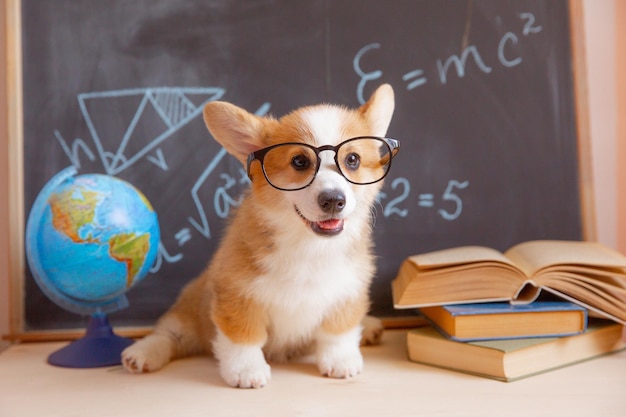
<point x="607" y="308"/>
<point x="532" y="257"/>
<point x="464" y="255"/>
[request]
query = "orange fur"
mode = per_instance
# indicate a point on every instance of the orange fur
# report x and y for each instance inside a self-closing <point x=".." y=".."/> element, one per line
<point x="347" y="315"/>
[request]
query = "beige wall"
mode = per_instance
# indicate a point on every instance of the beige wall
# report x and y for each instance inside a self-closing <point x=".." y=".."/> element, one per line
<point x="600" y="27"/>
<point x="620" y="36"/>
<point x="607" y="97"/>
<point x="4" y="173"/>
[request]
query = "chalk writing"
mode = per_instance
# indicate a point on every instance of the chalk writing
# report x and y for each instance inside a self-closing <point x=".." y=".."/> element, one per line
<point x="529" y="26"/>
<point x="72" y="153"/>
<point x="222" y="200"/>
<point x="164" y="256"/>
<point x="509" y="36"/>
<point x="450" y="196"/>
<point x="426" y="200"/>
<point x="365" y="76"/>
<point x="460" y="64"/>
<point x="403" y="185"/>
<point x="396" y="206"/>
<point x="183" y="236"/>
<point x="453" y="64"/>
<point x="414" y="79"/>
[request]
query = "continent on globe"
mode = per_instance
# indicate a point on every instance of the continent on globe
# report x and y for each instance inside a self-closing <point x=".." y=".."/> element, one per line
<point x="70" y="212"/>
<point x="131" y="249"/>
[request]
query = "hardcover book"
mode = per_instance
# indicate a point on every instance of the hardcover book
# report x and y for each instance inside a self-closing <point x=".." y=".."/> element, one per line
<point x="586" y="273"/>
<point x="486" y="321"/>
<point x="509" y="360"/>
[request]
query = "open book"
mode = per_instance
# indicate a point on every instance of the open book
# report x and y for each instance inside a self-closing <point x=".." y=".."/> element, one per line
<point x="586" y="273"/>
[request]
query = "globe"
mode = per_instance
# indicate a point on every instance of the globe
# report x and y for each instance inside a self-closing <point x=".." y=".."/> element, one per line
<point x="89" y="239"/>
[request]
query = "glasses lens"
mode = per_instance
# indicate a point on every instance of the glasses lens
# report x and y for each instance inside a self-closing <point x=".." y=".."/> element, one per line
<point x="290" y="166"/>
<point x="364" y="160"/>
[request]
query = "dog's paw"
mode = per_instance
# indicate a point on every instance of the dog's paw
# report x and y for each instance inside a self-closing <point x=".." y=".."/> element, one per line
<point x="146" y="355"/>
<point x="340" y="363"/>
<point x="245" y="368"/>
<point x="241" y="365"/>
<point x="338" y="355"/>
<point x="246" y="375"/>
<point x="372" y="331"/>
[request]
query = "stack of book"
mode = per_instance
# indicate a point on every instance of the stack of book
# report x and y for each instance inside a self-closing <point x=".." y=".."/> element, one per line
<point x="484" y="312"/>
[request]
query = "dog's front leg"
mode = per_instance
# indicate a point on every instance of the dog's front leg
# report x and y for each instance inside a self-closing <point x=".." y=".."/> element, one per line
<point x="240" y="336"/>
<point x="338" y="340"/>
<point x="241" y="365"/>
<point x="338" y="355"/>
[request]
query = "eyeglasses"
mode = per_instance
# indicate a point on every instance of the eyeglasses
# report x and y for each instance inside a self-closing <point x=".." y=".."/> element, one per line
<point x="293" y="166"/>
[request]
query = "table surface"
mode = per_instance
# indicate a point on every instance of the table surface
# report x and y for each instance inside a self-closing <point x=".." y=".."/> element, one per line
<point x="389" y="386"/>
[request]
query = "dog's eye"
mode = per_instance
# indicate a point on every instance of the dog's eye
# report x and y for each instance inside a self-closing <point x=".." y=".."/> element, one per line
<point x="300" y="162"/>
<point x="353" y="161"/>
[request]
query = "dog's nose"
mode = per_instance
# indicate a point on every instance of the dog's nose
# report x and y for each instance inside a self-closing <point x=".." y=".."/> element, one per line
<point x="332" y="201"/>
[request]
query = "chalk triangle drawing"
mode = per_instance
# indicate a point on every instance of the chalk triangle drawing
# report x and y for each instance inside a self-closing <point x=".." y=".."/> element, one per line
<point x="152" y="116"/>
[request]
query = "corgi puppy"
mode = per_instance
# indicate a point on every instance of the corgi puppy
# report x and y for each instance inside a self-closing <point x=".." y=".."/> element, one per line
<point x="292" y="273"/>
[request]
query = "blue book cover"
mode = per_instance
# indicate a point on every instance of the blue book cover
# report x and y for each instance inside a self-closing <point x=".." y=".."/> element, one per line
<point x="508" y="308"/>
<point x="502" y="320"/>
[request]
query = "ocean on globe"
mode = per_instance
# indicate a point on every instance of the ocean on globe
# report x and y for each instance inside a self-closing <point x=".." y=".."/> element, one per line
<point x="89" y="239"/>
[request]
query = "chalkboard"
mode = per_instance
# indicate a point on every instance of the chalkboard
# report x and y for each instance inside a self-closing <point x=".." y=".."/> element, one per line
<point x="485" y="113"/>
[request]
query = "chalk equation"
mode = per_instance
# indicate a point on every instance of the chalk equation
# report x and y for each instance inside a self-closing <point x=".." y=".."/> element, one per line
<point x="397" y="202"/>
<point x="417" y="77"/>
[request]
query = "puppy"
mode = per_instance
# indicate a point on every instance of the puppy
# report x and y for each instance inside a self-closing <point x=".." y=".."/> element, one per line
<point x="292" y="273"/>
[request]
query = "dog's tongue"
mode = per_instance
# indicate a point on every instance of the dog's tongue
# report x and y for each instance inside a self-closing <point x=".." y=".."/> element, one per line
<point x="330" y="227"/>
<point x="331" y="224"/>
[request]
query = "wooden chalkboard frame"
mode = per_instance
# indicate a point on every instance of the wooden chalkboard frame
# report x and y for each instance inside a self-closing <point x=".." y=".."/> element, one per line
<point x="16" y="216"/>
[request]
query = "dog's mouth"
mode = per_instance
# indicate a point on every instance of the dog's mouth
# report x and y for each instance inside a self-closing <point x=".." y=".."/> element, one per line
<point x="329" y="227"/>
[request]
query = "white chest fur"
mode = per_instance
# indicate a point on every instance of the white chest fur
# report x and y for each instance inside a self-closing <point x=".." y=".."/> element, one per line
<point x="304" y="279"/>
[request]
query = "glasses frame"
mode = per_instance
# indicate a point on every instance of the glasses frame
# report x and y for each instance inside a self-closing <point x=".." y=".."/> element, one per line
<point x="392" y="144"/>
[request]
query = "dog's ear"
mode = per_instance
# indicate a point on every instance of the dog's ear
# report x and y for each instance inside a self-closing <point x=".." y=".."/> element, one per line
<point x="238" y="131"/>
<point x="379" y="109"/>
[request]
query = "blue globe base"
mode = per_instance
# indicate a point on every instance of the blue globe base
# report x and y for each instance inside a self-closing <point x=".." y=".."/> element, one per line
<point x="98" y="348"/>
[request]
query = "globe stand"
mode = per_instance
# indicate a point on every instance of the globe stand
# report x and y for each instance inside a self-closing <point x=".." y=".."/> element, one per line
<point x="98" y="348"/>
